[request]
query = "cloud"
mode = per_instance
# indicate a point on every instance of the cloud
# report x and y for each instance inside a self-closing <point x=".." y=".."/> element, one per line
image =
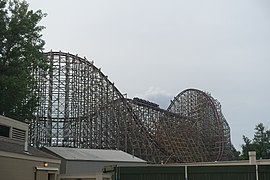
<point x="158" y="96"/>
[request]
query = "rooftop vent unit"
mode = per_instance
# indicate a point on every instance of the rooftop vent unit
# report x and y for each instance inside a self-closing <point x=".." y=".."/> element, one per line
<point x="14" y="130"/>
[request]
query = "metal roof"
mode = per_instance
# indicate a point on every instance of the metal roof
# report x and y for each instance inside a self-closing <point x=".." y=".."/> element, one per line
<point x="12" y="146"/>
<point x="94" y="154"/>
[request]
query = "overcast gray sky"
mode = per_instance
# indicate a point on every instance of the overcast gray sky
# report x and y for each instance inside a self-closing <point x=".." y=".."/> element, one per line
<point x="155" y="49"/>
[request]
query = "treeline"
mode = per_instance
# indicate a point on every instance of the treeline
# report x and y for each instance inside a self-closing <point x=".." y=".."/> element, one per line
<point x="260" y="143"/>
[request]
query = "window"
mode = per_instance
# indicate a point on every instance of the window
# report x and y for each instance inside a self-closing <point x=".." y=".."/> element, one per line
<point x="4" y="130"/>
<point x="51" y="176"/>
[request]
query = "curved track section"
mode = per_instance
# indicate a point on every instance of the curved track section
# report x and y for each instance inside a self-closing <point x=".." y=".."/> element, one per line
<point x="75" y="100"/>
<point x="80" y="107"/>
<point x="207" y="121"/>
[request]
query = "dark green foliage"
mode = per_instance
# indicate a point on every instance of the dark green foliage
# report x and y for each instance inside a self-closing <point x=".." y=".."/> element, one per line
<point x="260" y="143"/>
<point x="21" y="55"/>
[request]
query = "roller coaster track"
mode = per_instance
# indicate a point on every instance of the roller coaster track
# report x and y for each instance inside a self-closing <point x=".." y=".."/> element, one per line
<point x="80" y="107"/>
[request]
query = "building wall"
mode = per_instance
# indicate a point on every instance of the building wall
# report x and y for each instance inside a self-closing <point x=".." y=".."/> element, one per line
<point x="63" y="166"/>
<point x="86" y="167"/>
<point x="23" y="169"/>
<point x="98" y="176"/>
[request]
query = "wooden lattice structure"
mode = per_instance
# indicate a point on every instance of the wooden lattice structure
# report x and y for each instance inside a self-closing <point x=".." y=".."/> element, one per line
<point x="79" y="107"/>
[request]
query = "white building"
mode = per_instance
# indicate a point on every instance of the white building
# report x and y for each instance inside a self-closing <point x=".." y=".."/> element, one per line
<point x="18" y="161"/>
<point x="85" y="163"/>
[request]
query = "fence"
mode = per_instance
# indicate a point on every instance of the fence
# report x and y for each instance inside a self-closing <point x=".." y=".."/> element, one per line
<point x="219" y="172"/>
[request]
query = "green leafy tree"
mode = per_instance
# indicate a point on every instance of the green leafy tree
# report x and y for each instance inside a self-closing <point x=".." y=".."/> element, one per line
<point x="21" y="55"/>
<point x="260" y="143"/>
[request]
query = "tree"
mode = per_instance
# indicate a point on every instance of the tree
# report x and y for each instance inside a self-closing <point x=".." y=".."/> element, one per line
<point x="260" y="143"/>
<point x="21" y="55"/>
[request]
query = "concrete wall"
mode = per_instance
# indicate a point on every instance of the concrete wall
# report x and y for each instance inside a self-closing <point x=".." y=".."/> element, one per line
<point x="23" y="169"/>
